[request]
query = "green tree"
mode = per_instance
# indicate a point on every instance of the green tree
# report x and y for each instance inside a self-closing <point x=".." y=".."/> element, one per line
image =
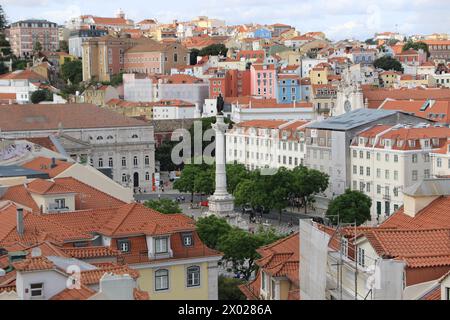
<point x="306" y="183"/>
<point x="239" y="247"/>
<point x="64" y="46"/>
<point x="166" y="206"/>
<point x="210" y="229"/>
<point x="229" y="288"/>
<point x="416" y="46"/>
<point x="3" y="68"/>
<point x="72" y="71"/>
<point x="370" y="41"/>
<point x="280" y="190"/>
<point x="117" y="79"/>
<point x="193" y="56"/>
<point x="214" y="50"/>
<point x="37" y="47"/>
<point x="388" y="63"/>
<point x="352" y="206"/>
<point x="41" y="95"/>
<point x="3" y="21"/>
<point x="235" y="174"/>
<point x="204" y="181"/>
<point x="187" y="179"/>
<point x="19" y="64"/>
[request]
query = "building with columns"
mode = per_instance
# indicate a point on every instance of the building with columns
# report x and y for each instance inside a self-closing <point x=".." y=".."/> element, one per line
<point x="120" y="146"/>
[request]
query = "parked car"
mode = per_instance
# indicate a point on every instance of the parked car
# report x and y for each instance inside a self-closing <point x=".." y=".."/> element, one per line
<point x="204" y="203"/>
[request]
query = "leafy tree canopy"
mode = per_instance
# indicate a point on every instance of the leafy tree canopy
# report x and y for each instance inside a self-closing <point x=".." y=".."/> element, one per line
<point x="214" y="50"/>
<point x="229" y="288"/>
<point x="210" y="229"/>
<point x="41" y="95"/>
<point x="352" y="206"/>
<point x="388" y="63"/>
<point x="166" y="206"/>
<point x="416" y="46"/>
<point x="72" y="71"/>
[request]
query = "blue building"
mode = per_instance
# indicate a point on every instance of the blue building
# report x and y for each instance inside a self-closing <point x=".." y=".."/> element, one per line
<point x="288" y="88"/>
<point x="263" y="33"/>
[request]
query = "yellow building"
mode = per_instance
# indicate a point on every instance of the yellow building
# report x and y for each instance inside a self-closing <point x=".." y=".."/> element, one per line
<point x="100" y="94"/>
<point x="319" y="74"/>
<point x="389" y="79"/>
<point x="131" y="109"/>
<point x="278" y="276"/>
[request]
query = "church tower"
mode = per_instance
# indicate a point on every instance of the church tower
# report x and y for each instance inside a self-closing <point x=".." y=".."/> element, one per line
<point x="349" y="95"/>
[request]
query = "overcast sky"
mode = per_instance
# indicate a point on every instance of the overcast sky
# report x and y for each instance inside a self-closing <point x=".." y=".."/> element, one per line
<point x="339" y="19"/>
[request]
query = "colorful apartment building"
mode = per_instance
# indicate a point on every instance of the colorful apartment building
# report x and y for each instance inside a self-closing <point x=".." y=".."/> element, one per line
<point x="26" y="33"/>
<point x="263" y="81"/>
<point x="230" y="83"/>
<point x="289" y="89"/>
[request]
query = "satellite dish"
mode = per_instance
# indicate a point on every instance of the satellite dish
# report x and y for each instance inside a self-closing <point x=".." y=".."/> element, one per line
<point x="36" y="252"/>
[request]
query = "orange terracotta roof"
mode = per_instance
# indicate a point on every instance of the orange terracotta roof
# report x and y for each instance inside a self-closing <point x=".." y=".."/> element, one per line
<point x="417" y="247"/>
<point x="46" y="187"/>
<point x="23" y="75"/>
<point x="272" y="124"/>
<point x="434" y="294"/>
<point x="33" y="264"/>
<point x="376" y="96"/>
<point x="414" y="106"/>
<point x="83" y="293"/>
<point x="7" y="96"/>
<point x="37" y="228"/>
<point x="110" y="21"/>
<point x="90" y="252"/>
<point x="435" y="215"/>
<point x="90" y="277"/>
<point x="52" y="116"/>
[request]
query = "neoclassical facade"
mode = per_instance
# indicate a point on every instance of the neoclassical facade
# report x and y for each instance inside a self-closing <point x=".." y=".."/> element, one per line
<point x="120" y="147"/>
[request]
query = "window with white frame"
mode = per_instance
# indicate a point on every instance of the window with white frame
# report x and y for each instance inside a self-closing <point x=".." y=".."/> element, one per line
<point x="123" y="245"/>
<point x="193" y="276"/>
<point x="60" y="203"/>
<point x="161" y="245"/>
<point x="161" y="279"/>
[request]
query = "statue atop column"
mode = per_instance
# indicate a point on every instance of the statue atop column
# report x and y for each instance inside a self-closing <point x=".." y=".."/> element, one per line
<point x="219" y="104"/>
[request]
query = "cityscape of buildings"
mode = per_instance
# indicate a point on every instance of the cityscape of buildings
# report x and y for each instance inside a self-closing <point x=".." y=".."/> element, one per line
<point x="88" y="111"/>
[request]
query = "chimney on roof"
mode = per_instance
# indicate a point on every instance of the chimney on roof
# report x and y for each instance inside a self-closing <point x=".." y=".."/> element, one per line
<point x="20" y="226"/>
<point x="53" y="165"/>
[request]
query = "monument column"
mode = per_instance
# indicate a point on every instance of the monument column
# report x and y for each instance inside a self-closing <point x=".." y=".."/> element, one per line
<point x="221" y="203"/>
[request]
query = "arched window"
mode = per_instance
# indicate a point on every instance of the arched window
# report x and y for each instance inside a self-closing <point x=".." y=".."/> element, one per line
<point x="134" y="136"/>
<point x="147" y="160"/>
<point x="109" y="137"/>
<point x="135" y="161"/>
<point x="162" y="279"/>
<point x="100" y="162"/>
<point x="124" y="177"/>
<point x="147" y="176"/>
<point x="193" y="276"/>
<point x="99" y="138"/>
<point x="110" y="162"/>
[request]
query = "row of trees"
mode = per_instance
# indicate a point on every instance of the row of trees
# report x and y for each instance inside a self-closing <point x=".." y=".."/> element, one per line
<point x="211" y="50"/>
<point x="272" y="191"/>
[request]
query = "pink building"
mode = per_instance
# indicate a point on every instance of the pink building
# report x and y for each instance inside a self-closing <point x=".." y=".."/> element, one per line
<point x="25" y="34"/>
<point x="263" y="80"/>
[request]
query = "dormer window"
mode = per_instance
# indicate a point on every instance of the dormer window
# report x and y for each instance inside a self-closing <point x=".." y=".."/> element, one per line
<point x="426" y="143"/>
<point x="188" y="240"/>
<point x="123" y="245"/>
<point x="412" y="143"/>
<point x="161" y="245"/>
<point x="399" y="143"/>
<point x="361" y="140"/>
<point x="60" y="203"/>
